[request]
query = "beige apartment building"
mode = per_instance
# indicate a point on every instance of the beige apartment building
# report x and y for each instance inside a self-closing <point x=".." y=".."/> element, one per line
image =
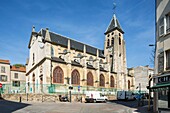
<point x="56" y="62"/>
<point x="5" y="71"/>
<point x="13" y="78"/>
<point x="18" y="79"/>
<point x="161" y="79"/>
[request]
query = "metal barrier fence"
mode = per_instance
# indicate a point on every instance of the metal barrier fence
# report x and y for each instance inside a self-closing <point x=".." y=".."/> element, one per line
<point x="56" y="89"/>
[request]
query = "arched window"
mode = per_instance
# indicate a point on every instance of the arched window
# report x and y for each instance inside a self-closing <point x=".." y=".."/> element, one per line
<point x="58" y="75"/>
<point x="33" y="58"/>
<point x="102" y="80"/>
<point x="52" y="51"/>
<point x="91" y="58"/>
<point x="128" y="84"/>
<point x="119" y="41"/>
<point x="75" y="77"/>
<point x="112" y="82"/>
<point x="79" y="55"/>
<point x="89" y="79"/>
<point x="101" y="61"/>
<point x="112" y="41"/>
<point x="108" y="42"/>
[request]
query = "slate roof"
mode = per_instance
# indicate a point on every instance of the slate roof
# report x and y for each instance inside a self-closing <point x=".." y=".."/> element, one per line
<point x="58" y="60"/>
<point x="63" y="41"/>
<point x="76" y="64"/>
<point x="114" y="24"/>
<point x="90" y="66"/>
<point x="102" y="69"/>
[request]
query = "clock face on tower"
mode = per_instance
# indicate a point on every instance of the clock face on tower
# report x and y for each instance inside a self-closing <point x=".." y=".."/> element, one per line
<point x="110" y="49"/>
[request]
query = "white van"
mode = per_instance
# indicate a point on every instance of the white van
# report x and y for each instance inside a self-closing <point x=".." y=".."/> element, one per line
<point x="125" y="95"/>
<point x="95" y="96"/>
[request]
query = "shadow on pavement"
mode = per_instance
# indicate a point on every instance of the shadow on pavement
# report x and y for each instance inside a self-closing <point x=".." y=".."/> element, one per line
<point x="10" y="106"/>
<point x="129" y="103"/>
<point x="143" y="108"/>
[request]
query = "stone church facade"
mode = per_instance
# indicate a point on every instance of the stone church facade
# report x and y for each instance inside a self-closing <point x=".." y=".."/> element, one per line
<point x="56" y="62"/>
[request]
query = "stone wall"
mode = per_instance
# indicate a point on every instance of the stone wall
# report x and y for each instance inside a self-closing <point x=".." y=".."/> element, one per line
<point x="46" y="97"/>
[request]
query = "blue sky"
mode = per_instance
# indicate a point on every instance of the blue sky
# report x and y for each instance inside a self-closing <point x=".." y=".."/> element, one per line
<point x="82" y="20"/>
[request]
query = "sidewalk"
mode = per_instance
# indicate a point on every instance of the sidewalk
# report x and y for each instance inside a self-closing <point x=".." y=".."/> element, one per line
<point x="143" y="109"/>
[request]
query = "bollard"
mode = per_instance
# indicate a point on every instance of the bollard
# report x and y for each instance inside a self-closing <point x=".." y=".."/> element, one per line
<point x="20" y="99"/>
<point x="81" y="99"/>
<point x="27" y="96"/>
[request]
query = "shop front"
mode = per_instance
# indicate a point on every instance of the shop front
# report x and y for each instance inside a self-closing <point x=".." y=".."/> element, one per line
<point x="161" y="91"/>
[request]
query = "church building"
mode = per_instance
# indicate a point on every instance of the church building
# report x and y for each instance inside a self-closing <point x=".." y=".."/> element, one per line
<point x="57" y="62"/>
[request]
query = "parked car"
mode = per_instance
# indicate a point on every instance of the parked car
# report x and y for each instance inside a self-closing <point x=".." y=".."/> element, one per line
<point x="63" y="98"/>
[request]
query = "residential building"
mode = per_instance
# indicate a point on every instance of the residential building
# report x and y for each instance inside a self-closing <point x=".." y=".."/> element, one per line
<point x="18" y="79"/>
<point x="161" y="79"/>
<point x="57" y="62"/>
<point x="12" y="78"/>
<point x="5" y="71"/>
<point x="142" y="75"/>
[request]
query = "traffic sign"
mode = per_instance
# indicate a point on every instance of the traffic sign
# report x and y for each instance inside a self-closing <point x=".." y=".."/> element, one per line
<point x="78" y="88"/>
<point x="0" y="85"/>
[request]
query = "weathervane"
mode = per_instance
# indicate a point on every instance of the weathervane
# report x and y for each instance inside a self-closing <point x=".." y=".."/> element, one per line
<point x="114" y="7"/>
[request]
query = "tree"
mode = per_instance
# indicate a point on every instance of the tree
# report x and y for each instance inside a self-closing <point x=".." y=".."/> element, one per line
<point x="152" y="57"/>
<point x="19" y="65"/>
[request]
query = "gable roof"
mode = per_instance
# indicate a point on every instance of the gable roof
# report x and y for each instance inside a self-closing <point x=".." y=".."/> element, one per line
<point x="63" y="41"/>
<point x="114" y="24"/>
<point x="21" y="69"/>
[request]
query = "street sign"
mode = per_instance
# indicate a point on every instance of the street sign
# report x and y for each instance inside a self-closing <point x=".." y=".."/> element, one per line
<point x="0" y="85"/>
<point x="78" y="88"/>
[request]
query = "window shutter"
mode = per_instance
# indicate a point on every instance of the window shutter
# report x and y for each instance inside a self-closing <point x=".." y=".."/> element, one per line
<point x="5" y="78"/>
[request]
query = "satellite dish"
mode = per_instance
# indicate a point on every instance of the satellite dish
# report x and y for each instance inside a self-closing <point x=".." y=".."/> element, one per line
<point x="41" y="45"/>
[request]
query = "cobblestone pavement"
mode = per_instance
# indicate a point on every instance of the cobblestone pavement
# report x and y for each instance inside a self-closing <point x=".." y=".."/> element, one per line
<point x="66" y="107"/>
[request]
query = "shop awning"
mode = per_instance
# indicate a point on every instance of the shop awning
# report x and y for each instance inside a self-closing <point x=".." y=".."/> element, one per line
<point x="160" y="87"/>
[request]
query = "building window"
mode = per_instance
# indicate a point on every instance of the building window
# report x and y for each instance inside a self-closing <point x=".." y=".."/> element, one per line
<point x="3" y="78"/>
<point x="58" y="75"/>
<point x="168" y="23"/>
<point x="108" y="42"/>
<point x="90" y="62"/>
<point x="119" y="41"/>
<point x="2" y="69"/>
<point x="33" y="59"/>
<point x="112" y="33"/>
<point x="15" y="75"/>
<point x="16" y="83"/>
<point x="128" y="84"/>
<point x="52" y="51"/>
<point x="161" y="62"/>
<point x="112" y="41"/>
<point x="161" y="27"/>
<point x="102" y="80"/>
<point x="112" y="81"/>
<point x="75" y="77"/>
<point x="168" y="59"/>
<point x="89" y="79"/>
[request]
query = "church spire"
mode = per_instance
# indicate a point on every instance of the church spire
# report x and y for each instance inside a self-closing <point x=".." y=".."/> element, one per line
<point x="114" y="23"/>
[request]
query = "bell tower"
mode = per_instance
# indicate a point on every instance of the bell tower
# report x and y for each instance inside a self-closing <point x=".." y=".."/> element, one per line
<point x="115" y="51"/>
